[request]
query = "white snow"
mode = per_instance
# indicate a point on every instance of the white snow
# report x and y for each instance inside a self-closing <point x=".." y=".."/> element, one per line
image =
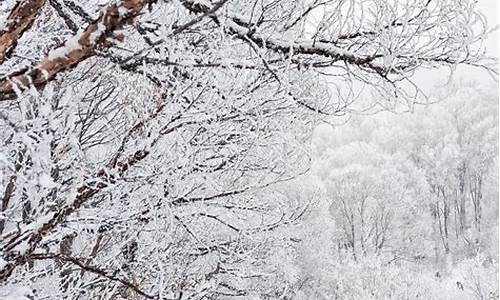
<point x="3" y="263"/>
<point x="46" y="181"/>
<point x="305" y="45"/>
<point x="23" y="247"/>
<point x="94" y="36"/>
<point x="16" y="293"/>
<point x="202" y="2"/>
<point x="45" y="73"/>
<point x="70" y="45"/>
<point x="122" y="11"/>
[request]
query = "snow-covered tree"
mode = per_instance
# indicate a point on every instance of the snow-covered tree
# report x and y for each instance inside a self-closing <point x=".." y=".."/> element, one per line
<point x="142" y="140"/>
<point x="405" y="193"/>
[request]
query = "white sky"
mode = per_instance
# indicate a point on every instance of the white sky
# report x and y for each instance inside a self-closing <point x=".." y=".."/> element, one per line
<point x="428" y="79"/>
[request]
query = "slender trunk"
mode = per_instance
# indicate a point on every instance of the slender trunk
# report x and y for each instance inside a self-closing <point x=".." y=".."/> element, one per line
<point x="353" y="238"/>
<point x="441" y="226"/>
<point x="7" y="195"/>
<point x="446" y="214"/>
<point x="10" y="189"/>
<point x="455" y="216"/>
<point x="362" y="231"/>
<point x="65" y="280"/>
<point x="462" y="198"/>
<point x="476" y="196"/>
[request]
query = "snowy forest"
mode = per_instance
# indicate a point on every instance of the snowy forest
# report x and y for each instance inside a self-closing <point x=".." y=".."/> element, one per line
<point x="253" y="149"/>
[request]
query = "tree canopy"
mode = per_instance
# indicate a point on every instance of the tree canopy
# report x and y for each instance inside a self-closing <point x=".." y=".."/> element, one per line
<point x="150" y="145"/>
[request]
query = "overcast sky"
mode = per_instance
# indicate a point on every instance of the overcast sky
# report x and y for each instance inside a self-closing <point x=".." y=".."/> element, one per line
<point x="490" y="10"/>
<point x="428" y="79"/>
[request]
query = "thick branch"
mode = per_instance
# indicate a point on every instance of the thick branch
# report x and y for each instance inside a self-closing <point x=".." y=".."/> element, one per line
<point x="287" y="47"/>
<point x="76" y="49"/>
<point x="19" y="20"/>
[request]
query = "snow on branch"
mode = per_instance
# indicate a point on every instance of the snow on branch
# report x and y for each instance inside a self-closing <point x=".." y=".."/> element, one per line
<point x="18" y="247"/>
<point x="305" y="47"/>
<point x="75" y="50"/>
<point x="19" y="20"/>
<point x="373" y="52"/>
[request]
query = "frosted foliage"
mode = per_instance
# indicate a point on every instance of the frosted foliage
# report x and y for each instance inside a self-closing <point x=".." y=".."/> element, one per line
<point x="413" y="203"/>
<point x="211" y="150"/>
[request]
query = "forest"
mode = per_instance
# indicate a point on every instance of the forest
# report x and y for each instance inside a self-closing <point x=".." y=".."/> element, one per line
<point x="254" y="149"/>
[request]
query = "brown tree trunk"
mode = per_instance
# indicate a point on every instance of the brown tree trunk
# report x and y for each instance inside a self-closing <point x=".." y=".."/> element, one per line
<point x="19" y="20"/>
<point x="76" y="49"/>
<point x="65" y="275"/>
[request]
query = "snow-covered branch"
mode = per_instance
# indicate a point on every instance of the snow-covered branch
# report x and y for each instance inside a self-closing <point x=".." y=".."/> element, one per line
<point x="78" y="48"/>
<point x="19" y="20"/>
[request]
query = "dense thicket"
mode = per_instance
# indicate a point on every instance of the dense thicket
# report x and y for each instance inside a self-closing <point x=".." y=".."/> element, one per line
<point x="148" y="148"/>
<point x="408" y="206"/>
